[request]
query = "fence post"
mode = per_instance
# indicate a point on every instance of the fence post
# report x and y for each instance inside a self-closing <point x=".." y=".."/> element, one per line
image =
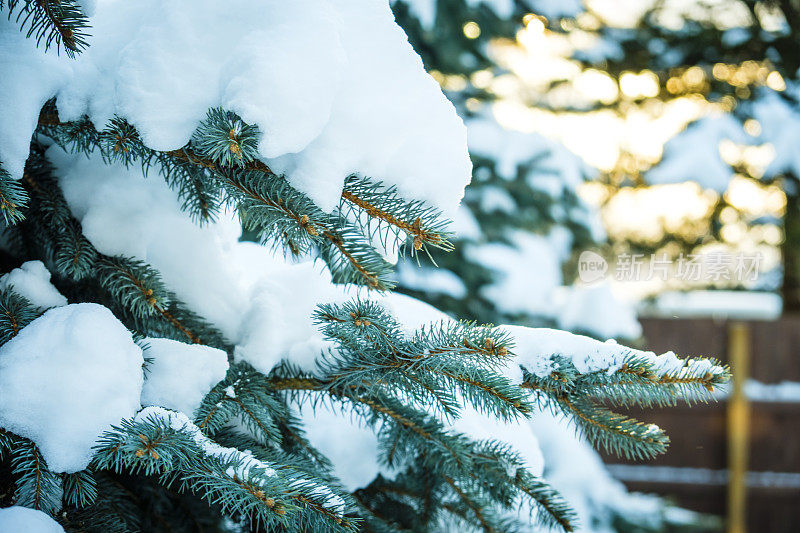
<point x="738" y="427"/>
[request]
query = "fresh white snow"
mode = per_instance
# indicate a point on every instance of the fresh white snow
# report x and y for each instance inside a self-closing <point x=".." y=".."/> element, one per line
<point x="32" y="280"/>
<point x="351" y="447"/>
<point x="180" y="375"/>
<point x="24" y="520"/>
<point x="30" y="78"/>
<point x="67" y="377"/>
<point x="334" y="87"/>
<point x="536" y="349"/>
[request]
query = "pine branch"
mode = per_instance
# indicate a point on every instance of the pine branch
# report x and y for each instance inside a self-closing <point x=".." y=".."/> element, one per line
<point x="226" y="139"/>
<point x="74" y="255"/>
<point x="390" y="213"/>
<point x="12" y="198"/>
<point x="134" y="285"/>
<point x="636" y="383"/>
<point x="473" y="505"/>
<point x="116" y="509"/>
<point x="7" y="442"/>
<point x="554" y="511"/>
<point x="267" y="204"/>
<point x="16" y="312"/>
<point x="53" y="21"/>
<point x="164" y="444"/>
<point x="80" y="488"/>
<point x="617" y="433"/>
<point x="438" y="364"/>
<point x="37" y="486"/>
<point x="246" y="395"/>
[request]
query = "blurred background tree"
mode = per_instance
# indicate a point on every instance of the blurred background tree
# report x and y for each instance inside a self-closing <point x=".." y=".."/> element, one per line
<point x="688" y="110"/>
<point x="522" y="218"/>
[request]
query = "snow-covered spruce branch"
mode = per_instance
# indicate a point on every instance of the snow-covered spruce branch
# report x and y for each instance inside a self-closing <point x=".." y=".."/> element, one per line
<point x="221" y="155"/>
<point x="385" y="210"/>
<point x="218" y="439"/>
<point x="167" y="444"/>
<point x="223" y="140"/>
<point x="53" y="21"/>
<point x="477" y="479"/>
<point x="622" y="377"/>
<point x="267" y="205"/>
<point x="367" y="390"/>
<point x="131" y="287"/>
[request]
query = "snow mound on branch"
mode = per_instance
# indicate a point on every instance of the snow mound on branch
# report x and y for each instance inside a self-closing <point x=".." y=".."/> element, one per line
<point x="180" y="375"/>
<point x="123" y="213"/>
<point x="334" y="87"/>
<point x="30" y="78"/>
<point x="537" y="349"/>
<point x="26" y="520"/>
<point x="32" y="280"/>
<point x="65" y="378"/>
<point x="234" y="285"/>
<point x="270" y="331"/>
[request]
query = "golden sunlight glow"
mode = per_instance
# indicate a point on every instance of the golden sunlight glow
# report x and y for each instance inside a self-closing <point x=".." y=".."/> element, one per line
<point x="752" y="127"/>
<point x="642" y="85"/>
<point x="593" y="84"/>
<point x="471" y="30"/>
<point x="624" y="141"/>
<point x="534" y="23"/>
<point x="481" y="79"/>
<point x="754" y="198"/>
<point x="775" y="81"/>
<point x="646" y="213"/>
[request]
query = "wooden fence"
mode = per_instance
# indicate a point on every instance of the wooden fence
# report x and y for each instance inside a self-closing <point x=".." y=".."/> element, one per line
<point x="739" y="457"/>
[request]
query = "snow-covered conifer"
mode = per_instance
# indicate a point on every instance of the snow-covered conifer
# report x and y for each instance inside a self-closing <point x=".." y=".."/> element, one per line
<point x="138" y="139"/>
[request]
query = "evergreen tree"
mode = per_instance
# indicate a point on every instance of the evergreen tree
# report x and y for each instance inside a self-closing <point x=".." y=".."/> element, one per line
<point x="221" y="443"/>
